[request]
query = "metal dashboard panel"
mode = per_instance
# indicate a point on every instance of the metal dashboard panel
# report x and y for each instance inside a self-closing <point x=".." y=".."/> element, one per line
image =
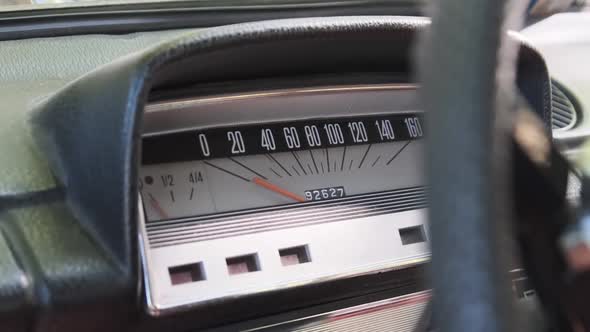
<point x="337" y="246"/>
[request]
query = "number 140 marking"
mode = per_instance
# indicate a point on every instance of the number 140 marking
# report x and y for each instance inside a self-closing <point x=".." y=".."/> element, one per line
<point x="385" y="130"/>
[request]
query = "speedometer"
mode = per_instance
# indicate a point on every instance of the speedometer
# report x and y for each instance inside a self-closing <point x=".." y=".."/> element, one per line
<point x="251" y="168"/>
<point x="271" y="190"/>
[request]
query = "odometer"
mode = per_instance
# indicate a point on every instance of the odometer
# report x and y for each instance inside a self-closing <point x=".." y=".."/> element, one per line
<point x="252" y="167"/>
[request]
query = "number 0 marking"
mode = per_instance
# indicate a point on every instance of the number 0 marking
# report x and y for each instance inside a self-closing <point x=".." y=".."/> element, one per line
<point x="204" y="145"/>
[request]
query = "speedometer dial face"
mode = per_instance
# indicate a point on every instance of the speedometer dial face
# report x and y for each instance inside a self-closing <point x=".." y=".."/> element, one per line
<point x="256" y="167"/>
<point x="238" y="183"/>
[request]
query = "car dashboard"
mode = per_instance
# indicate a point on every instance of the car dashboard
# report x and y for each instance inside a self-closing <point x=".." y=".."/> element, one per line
<point x="256" y="176"/>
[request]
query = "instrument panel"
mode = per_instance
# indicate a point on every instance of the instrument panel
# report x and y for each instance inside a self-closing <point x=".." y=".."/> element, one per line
<point x="251" y="167"/>
<point x="250" y="193"/>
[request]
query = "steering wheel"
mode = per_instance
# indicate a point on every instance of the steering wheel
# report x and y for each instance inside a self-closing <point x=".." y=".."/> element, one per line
<point x="467" y="69"/>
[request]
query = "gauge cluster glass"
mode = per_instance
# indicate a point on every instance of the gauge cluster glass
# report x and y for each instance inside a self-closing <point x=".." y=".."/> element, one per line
<point x="276" y="189"/>
<point x="249" y="168"/>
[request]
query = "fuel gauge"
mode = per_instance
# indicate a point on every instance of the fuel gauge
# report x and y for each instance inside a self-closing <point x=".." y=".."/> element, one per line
<point x="168" y="192"/>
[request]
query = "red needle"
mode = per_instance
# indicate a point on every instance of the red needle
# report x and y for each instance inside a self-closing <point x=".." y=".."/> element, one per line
<point x="157" y="207"/>
<point x="267" y="185"/>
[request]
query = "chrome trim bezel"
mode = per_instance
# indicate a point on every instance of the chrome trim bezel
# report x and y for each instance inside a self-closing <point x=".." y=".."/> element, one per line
<point x="170" y="106"/>
<point x="182" y="107"/>
<point x="179" y="103"/>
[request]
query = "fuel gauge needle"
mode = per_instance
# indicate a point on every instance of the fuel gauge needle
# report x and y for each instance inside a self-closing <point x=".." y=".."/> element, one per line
<point x="154" y="203"/>
<point x="272" y="187"/>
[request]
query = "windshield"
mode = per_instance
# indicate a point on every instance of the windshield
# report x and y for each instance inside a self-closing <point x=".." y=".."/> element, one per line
<point x="18" y="5"/>
<point x="536" y="7"/>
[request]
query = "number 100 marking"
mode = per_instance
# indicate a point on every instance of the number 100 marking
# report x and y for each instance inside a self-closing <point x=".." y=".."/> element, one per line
<point x="334" y="133"/>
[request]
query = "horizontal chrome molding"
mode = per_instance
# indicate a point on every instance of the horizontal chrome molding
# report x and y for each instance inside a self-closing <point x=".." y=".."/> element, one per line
<point x="176" y="104"/>
<point x="362" y="317"/>
<point x="268" y="106"/>
<point x="212" y="227"/>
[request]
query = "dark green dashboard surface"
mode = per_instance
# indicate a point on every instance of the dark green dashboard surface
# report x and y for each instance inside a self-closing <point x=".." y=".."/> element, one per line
<point x="47" y="259"/>
<point x="34" y="68"/>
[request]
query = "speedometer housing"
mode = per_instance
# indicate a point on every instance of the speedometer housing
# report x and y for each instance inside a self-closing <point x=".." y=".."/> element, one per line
<point x="311" y="185"/>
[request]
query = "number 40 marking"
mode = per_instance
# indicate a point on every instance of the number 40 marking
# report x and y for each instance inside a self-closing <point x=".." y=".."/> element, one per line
<point x="267" y="140"/>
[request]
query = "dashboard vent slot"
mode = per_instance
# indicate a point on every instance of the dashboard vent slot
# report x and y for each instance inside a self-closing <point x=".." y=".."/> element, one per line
<point x="563" y="111"/>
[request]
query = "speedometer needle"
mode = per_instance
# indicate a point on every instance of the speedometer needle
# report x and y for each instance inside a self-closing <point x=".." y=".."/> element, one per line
<point x="272" y="187"/>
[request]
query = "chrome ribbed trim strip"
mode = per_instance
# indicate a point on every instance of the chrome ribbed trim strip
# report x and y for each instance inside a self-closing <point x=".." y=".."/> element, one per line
<point x="174" y="232"/>
<point x="399" y="314"/>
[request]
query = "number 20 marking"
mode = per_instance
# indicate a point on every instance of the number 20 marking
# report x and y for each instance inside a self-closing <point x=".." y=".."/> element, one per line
<point x="237" y="142"/>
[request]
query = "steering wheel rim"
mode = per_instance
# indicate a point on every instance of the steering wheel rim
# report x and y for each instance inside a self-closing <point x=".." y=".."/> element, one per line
<point x="466" y="44"/>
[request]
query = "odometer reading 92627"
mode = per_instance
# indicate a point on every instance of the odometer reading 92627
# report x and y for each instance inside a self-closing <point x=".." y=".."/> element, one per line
<point x="324" y="193"/>
<point x="223" y="169"/>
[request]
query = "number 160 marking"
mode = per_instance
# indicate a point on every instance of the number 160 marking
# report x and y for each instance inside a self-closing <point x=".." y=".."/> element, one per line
<point x="414" y="127"/>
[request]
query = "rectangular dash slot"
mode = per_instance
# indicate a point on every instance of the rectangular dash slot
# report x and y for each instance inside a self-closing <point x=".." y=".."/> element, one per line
<point x="184" y="274"/>
<point x="294" y="255"/>
<point x="411" y="235"/>
<point x="242" y="264"/>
